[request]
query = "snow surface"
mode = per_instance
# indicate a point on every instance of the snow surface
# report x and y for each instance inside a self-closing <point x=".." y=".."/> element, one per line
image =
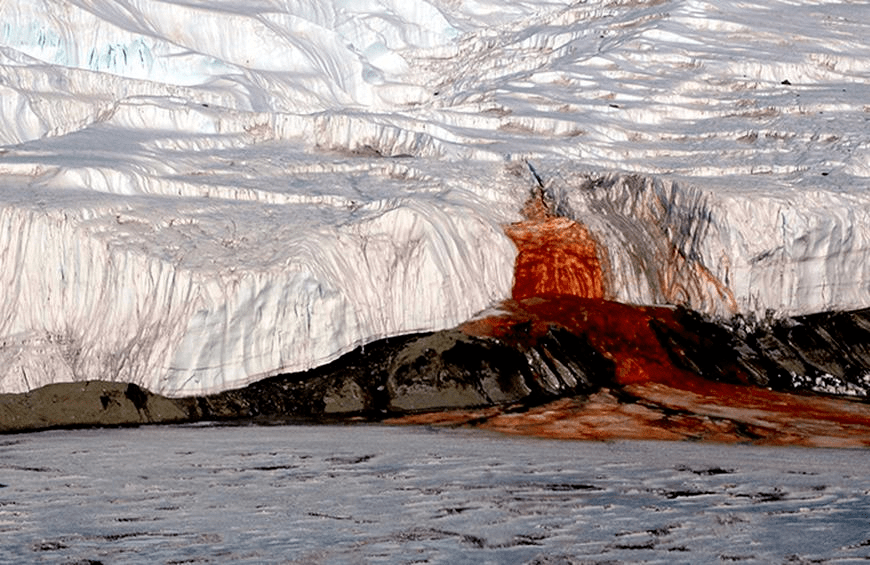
<point x="196" y="194"/>
<point x="397" y="495"/>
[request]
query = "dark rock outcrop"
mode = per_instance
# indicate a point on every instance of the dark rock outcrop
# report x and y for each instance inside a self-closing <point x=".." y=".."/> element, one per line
<point x="528" y="365"/>
<point x="401" y="375"/>
<point x="91" y="403"/>
<point x="441" y="370"/>
<point x="827" y="353"/>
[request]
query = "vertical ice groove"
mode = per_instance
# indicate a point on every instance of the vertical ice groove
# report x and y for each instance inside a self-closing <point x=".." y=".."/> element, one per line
<point x="89" y="303"/>
<point x="722" y="252"/>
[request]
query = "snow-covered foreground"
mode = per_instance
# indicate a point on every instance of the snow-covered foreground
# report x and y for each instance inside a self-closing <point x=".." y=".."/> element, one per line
<point x="387" y="495"/>
<point x="195" y="195"/>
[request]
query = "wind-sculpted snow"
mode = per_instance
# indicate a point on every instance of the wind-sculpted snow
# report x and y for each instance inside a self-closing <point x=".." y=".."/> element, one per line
<point x="194" y="195"/>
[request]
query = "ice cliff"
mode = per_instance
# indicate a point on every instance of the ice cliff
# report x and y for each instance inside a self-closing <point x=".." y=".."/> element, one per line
<point x="195" y="195"/>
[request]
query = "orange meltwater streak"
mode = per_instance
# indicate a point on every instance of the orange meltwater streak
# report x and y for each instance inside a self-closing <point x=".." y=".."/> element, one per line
<point x="556" y="256"/>
<point x="559" y="280"/>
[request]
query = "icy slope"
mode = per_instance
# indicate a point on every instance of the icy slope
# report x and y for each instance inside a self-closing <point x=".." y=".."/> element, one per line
<point x="194" y="195"/>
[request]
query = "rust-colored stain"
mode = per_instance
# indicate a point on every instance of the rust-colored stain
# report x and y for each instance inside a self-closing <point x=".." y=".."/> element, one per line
<point x="558" y="280"/>
<point x="650" y="397"/>
<point x="555" y="255"/>
<point x="621" y="331"/>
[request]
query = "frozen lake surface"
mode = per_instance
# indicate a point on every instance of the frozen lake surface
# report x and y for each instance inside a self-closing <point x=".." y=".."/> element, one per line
<point x="376" y="494"/>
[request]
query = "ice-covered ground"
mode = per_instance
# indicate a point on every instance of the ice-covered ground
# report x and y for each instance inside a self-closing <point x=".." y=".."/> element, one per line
<point x="194" y="195"/>
<point x="388" y="495"/>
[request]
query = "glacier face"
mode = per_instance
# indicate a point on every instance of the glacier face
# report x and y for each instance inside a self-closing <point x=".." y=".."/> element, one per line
<point x="240" y="273"/>
<point x="194" y="195"/>
<point x="721" y="250"/>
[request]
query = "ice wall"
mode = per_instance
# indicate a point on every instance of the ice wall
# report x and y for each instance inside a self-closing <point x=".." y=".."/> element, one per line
<point x="720" y="250"/>
<point x="185" y="295"/>
<point x="197" y="194"/>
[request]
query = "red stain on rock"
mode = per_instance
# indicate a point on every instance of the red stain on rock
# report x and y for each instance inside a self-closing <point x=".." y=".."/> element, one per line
<point x="622" y="332"/>
<point x="558" y="280"/>
<point x="650" y="397"/>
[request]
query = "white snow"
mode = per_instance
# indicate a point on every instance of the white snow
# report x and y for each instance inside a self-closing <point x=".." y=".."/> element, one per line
<point x="194" y="195"/>
<point x="329" y="494"/>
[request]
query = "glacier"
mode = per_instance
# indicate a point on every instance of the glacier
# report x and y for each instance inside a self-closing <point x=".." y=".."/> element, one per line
<point x="198" y="195"/>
